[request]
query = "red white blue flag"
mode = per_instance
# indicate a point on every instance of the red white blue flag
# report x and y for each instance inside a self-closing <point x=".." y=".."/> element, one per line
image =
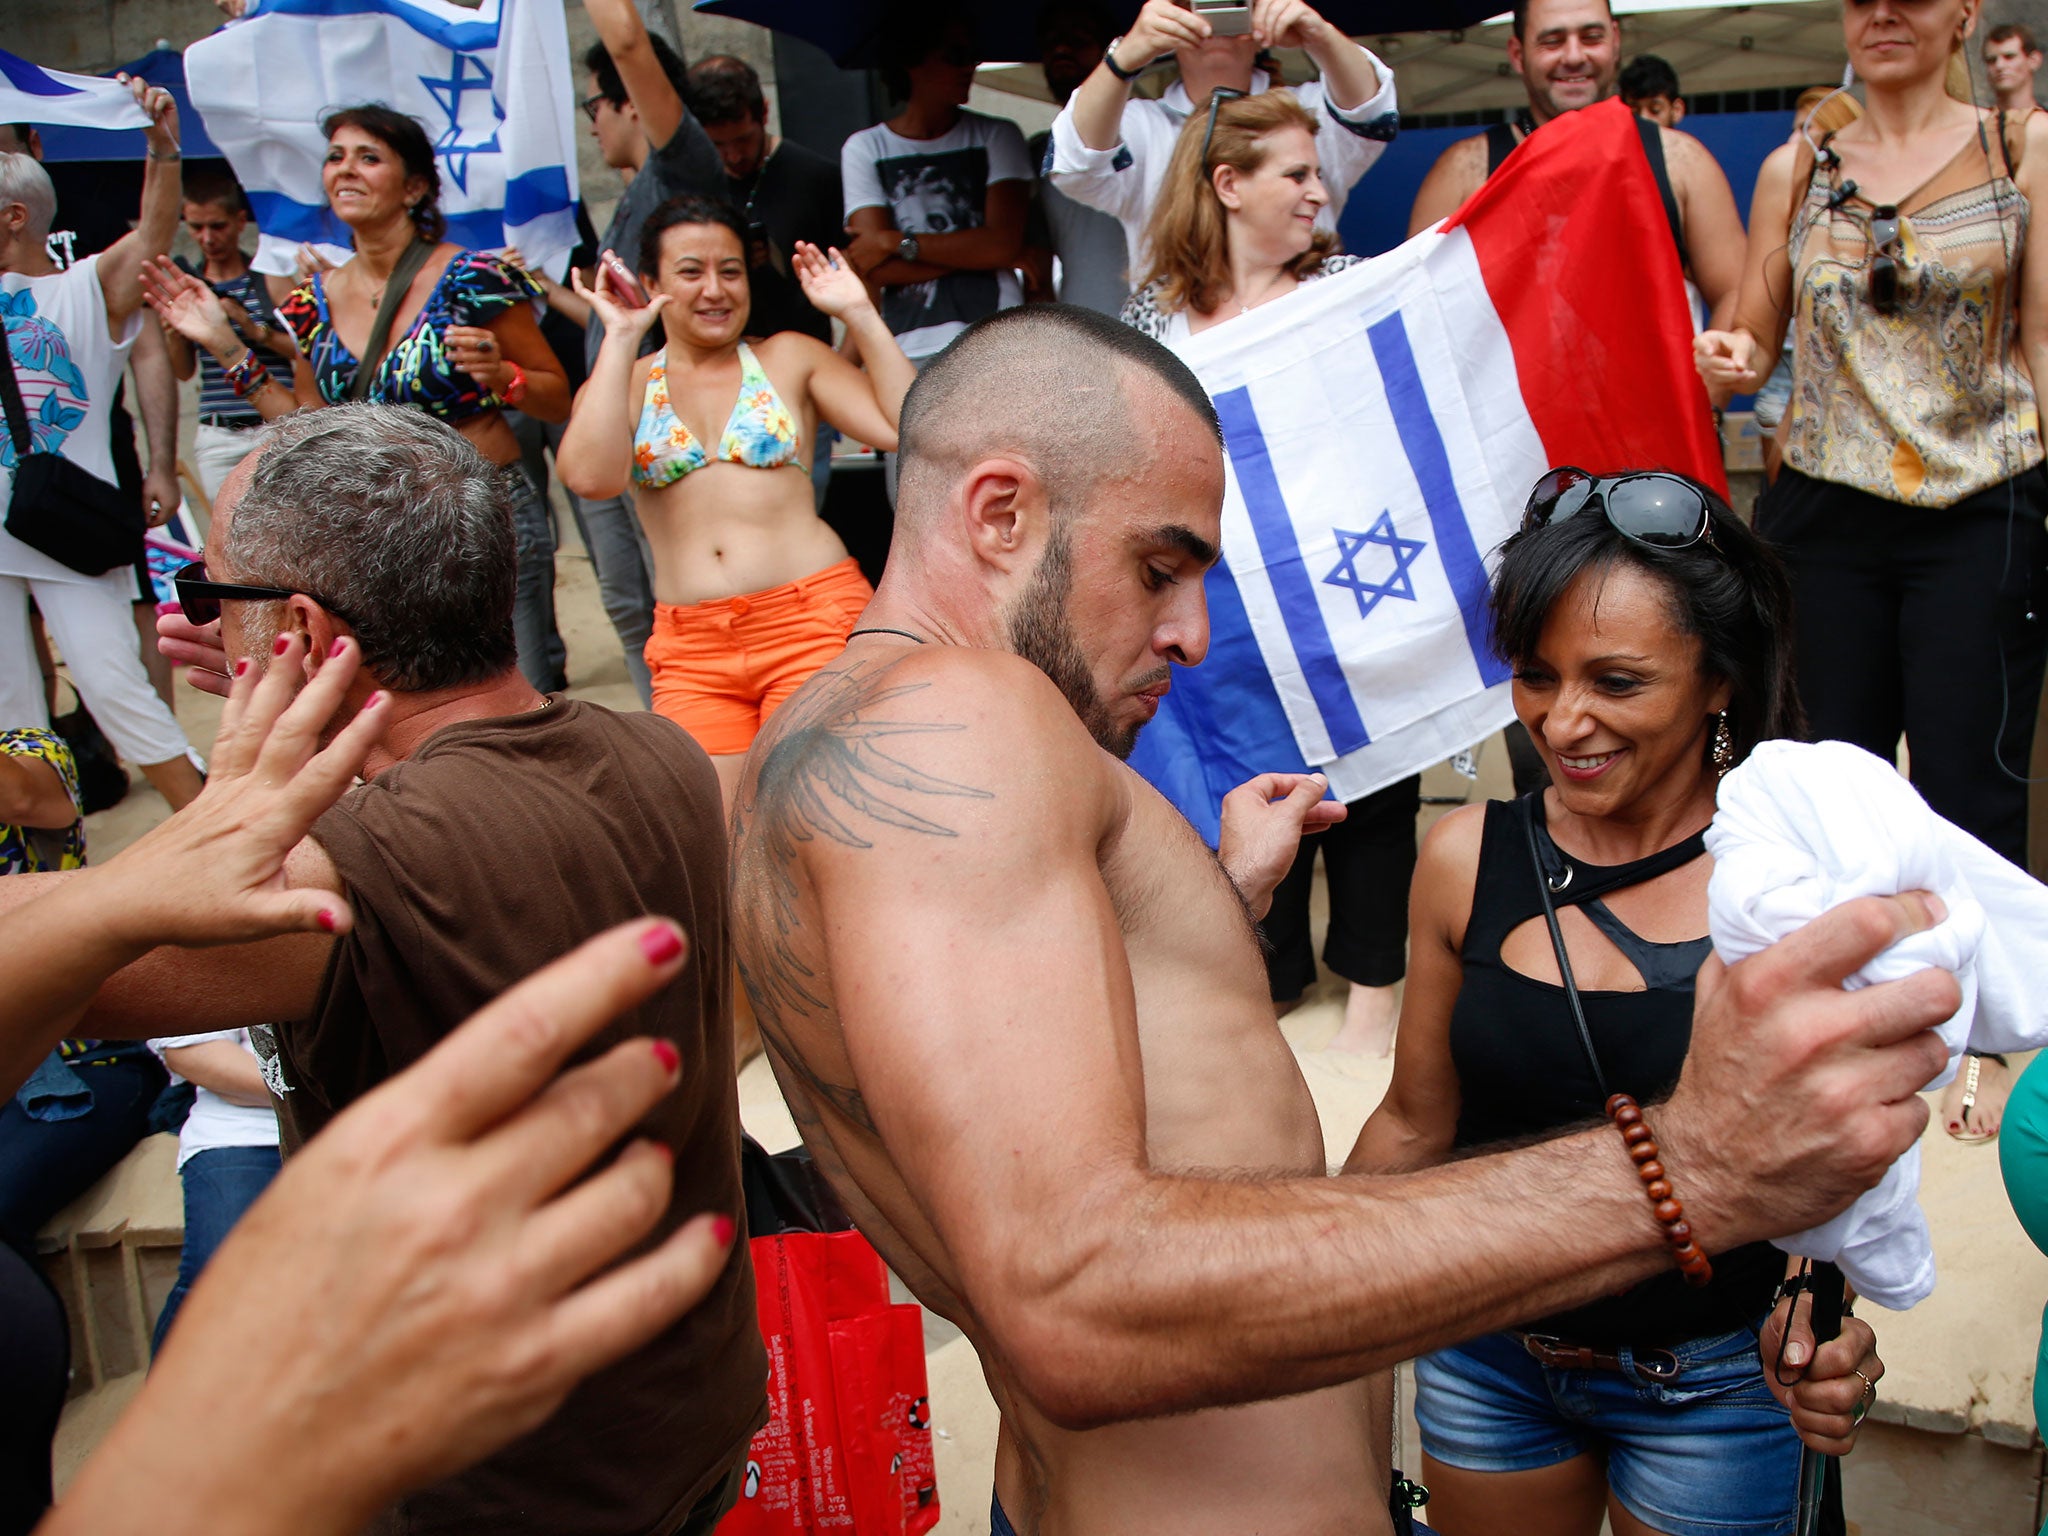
<point x="1383" y="427"/>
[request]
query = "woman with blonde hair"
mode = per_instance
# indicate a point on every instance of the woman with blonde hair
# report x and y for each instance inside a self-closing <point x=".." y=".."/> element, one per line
<point x="1908" y="507"/>
<point x="1235" y="228"/>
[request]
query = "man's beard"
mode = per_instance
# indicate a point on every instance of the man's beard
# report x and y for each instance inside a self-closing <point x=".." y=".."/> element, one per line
<point x="1556" y="109"/>
<point x="1039" y="632"/>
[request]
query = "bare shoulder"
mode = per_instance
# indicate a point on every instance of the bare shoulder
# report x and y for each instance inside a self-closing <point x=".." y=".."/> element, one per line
<point x="1688" y="158"/>
<point x="1447" y="872"/>
<point x="1459" y="172"/>
<point x="941" y="741"/>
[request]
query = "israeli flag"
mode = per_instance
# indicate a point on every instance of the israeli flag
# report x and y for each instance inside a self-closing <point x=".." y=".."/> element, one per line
<point x="1373" y="465"/>
<point x="49" y="98"/>
<point x="1382" y="430"/>
<point x="492" y="86"/>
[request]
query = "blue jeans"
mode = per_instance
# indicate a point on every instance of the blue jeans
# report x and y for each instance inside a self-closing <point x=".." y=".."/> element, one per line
<point x="45" y="1164"/>
<point x="1710" y="1453"/>
<point x="220" y="1183"/>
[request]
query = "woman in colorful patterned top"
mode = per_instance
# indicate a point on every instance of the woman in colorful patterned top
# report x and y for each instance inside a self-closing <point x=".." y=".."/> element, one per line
<point x="1907" y="507"/>
<point x="464" y="345"/>
<point x="753" y="591"/>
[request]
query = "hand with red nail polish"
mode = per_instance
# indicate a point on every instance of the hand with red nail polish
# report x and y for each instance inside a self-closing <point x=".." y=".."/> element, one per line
<point x="434" y="1272"/>
<point x="212" y="874"/>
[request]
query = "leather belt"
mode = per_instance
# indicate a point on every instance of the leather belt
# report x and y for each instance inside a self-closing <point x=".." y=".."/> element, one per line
<point x="1563" y="1355"/>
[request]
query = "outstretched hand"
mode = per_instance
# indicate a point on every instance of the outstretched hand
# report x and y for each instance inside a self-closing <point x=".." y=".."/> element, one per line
<point x="429" y="1278"/>
<point x="188" y="306"/>
<point x="1264" y="822"/>
<point x="214" y="873"/>
<point x="830" y="282"/>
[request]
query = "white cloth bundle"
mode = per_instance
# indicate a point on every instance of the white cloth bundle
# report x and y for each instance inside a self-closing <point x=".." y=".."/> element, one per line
<point x="1801" y="829"/>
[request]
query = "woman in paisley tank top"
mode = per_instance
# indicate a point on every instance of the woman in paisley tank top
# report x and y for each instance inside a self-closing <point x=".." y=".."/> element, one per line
<point x="1910" y="503"/>
<point x="465" y="342"/>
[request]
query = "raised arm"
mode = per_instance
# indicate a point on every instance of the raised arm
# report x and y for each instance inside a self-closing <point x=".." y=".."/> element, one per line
<point x="988" y="1019"/>
<point x="120" y="264"/>
<point x="1350" y="76"/>
<point x="866" y="406"/>
<point x="193" y="310"/>
<point x="1737" y="360"/>
<point x="1097" y="106"/>
<point x="624" y="36"/>
<point x="595" y="457"/>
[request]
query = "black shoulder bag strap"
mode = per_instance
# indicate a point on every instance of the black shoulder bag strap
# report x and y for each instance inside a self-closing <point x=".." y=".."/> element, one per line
<point x="10" y="396"/>
<point x="1653" y="150"/>
<point x="1564" y="961"/>
<point x="416" y="257"/>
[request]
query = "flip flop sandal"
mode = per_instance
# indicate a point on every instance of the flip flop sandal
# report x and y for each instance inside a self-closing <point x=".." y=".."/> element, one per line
<point x="1970" y="1075"/>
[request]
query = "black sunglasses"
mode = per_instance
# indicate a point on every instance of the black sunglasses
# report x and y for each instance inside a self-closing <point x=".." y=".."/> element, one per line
<point x="1217" y="97"/>
<point x="1884" y="266"/>
<point x="201" y="599"/>
<point x="1652" y="508"/>
<point x="591" y="103"/>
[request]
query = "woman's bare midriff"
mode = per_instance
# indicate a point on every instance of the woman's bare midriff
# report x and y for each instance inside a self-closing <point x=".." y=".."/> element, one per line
<point x="727" y="530"/>
<point x="492" y="436"/>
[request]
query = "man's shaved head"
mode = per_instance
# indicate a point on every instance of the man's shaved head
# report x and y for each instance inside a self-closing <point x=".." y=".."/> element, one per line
<point x="1060" y="388"/>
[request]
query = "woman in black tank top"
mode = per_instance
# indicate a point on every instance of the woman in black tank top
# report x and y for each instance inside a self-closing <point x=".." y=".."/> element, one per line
<point x="1642" y="672"/>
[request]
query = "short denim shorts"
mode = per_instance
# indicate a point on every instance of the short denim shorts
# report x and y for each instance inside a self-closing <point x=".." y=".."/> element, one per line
<point x="1710" y="1453"/>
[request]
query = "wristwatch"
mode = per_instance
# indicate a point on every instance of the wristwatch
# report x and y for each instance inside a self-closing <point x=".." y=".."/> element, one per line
<point x="1109" y="61"/>
<point x="906" y="248"/>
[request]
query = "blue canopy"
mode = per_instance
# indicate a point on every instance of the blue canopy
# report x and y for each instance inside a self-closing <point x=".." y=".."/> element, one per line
<point x="161" y="67"/>
<point x="1007" y="29"/>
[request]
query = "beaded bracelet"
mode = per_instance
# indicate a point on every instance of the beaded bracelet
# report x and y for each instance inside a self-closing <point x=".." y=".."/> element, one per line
<point x="1627" y="1116"/>
<point x="246" y="376"/>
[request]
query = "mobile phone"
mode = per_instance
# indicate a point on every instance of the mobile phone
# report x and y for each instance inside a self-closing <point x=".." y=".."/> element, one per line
<point x="623" y="285"/>
<point x="1226" y="18"/>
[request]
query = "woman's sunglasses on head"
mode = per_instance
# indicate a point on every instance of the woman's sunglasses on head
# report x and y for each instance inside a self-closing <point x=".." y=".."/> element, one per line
<point x="1653" y="508"/>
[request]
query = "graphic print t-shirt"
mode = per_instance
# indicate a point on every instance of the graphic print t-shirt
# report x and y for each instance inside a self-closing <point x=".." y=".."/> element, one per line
<point x="936" y="187"/>
<point x="67" y="365"/>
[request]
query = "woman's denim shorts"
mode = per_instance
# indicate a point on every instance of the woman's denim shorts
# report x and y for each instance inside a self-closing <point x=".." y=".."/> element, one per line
<point x="1710" y="1453"/>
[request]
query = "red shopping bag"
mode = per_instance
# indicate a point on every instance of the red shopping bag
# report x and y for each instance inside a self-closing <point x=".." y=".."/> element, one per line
<point x="848" y="1444"/>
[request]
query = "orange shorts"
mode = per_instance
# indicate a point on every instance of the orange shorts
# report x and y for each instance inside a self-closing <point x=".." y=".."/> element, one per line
<point x="722" y="667"/>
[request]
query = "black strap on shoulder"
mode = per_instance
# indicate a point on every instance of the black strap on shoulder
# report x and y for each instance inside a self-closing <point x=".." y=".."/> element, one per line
<point x="409" y="265"/>
<point x="10" y="396"/>
<point x="1500" y="143"/>
<point x="1653" y="150"/>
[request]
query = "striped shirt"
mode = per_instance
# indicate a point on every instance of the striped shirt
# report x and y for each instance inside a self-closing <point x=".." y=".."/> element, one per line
<point x="219" y="405"/>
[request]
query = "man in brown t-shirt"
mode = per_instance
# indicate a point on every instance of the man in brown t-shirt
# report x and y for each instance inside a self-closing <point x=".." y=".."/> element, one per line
<point x="498" y="829"/>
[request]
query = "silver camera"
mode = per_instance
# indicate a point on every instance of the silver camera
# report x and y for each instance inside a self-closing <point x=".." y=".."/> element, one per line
<point x="1226" y="18"/>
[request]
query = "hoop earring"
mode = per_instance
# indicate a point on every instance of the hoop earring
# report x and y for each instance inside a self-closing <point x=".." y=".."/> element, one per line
<point x="1724" y="746"/>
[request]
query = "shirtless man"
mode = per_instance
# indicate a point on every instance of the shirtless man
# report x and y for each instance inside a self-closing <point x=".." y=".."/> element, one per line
<point x="1568" y="53"/>
<point x="1020" y="1016"/>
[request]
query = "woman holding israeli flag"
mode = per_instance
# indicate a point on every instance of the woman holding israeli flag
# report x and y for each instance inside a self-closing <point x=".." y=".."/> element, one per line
<point x="413" y="320"/>
<point x="1235" y="228"/>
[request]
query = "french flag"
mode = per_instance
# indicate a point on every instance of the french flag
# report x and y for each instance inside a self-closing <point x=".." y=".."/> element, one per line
<point x="491" y="83"/>
<point x="49" y="98"/>
<point x="1382" y="430"/>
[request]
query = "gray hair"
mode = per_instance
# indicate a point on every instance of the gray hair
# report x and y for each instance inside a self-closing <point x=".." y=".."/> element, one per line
<point x="23" y="180"/>
<point x="1051" y="383"/>
<point x="395" y="523"/>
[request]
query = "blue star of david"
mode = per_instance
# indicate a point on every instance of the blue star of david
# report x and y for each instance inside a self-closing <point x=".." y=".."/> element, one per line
<point x="1400" y="582"/>
<point x="466" y="73"/>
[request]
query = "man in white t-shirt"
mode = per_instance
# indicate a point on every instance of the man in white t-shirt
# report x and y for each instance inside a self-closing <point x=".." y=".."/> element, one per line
<point x="1111" y="151"/>
<point x="69" y="333"/>
<point x="936" y="196"/>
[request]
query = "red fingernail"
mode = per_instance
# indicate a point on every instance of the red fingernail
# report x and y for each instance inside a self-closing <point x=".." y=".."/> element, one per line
<point x="327" y="919"/>
<point x="284" y="643"/>
<point x="670" y="1058"/>
<point x="723" y="1230"/>
<point x="375" y="699"/>
<point x="668" y="1153"/>
<point x="661" y="945"/>
<point x="335" y="649"/>
<point x="242" y="666"/>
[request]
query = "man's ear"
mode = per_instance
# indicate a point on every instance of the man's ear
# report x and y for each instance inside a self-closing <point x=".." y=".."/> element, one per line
<point x="1515" y="56"/>
<point x="1003" y="503"/>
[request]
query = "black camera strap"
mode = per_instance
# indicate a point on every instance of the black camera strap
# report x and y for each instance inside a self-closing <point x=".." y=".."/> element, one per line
<point x="10" y="396"/>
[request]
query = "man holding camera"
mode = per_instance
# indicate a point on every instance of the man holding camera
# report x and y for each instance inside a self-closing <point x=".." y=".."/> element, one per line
<point x="1110" y="151"/>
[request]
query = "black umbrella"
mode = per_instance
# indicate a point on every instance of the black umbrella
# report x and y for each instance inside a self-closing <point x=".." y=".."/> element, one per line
<point x="1007" y="30"/>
